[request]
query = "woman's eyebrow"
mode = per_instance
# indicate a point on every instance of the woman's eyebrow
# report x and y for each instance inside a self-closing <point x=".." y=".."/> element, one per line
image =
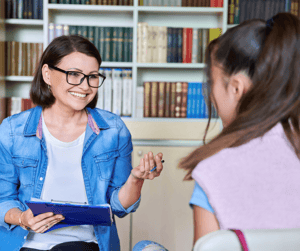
<point x="81" y="70"/>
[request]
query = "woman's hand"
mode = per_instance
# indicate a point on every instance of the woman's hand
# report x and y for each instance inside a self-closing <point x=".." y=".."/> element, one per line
<point x="39" y="223"/>
<point x="143" y="171"/>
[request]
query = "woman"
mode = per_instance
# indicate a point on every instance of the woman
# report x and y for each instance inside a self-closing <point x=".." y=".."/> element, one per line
<point x="66" y="150"/>
<point x="248" y="176"/>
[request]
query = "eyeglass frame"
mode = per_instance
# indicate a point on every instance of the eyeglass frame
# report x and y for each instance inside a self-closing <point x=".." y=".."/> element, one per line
<point x="81" y="80"/>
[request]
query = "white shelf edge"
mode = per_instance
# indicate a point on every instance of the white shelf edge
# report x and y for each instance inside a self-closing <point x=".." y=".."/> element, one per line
<point x="16" y="21"/>
<point x="231" y="25"/>
<point x="19" y="78"/>
<point x="116" y="64"/>
<point x="171" y="65"/>
<point x="180" y="9"/>
<point x="84" y="7"/>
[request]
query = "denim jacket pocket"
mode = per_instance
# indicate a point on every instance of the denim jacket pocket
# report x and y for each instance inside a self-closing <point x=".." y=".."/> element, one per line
<point x="105" y="164"/>
<point x="27" y="169"/>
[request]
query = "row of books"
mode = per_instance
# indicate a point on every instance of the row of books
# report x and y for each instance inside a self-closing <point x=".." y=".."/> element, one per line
<point x="24" y="9"/>
<point x="94" y="2"/>
<point x="173" y="45"/>
<point x="116" y="93"/>
<point x="241" y="10"/>
<point x="22" y="58"/>
<point x="13" y="105"/>
<point x="113" y="43"/>
<point x="175" y="99"/>
<point x="182" y="3"/>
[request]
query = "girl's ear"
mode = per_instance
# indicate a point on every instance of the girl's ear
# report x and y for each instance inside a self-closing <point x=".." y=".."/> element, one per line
<point x="238" y="85"/>
<point x="46" y="74"/>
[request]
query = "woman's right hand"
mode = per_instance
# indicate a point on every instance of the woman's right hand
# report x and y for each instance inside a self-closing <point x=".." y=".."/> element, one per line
<point x="41" y="222"/>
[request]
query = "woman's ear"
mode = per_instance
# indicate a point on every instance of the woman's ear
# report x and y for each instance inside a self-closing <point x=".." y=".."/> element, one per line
<point x="46" y="74"/>
<point x="238" y="85"/>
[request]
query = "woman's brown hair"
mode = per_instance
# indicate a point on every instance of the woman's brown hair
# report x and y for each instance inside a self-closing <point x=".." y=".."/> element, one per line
<point x="54" y="53"/>
<point x="270" y="54"/>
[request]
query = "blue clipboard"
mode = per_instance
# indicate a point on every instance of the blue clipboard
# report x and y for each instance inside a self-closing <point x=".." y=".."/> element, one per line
<point x="74" y="214"/>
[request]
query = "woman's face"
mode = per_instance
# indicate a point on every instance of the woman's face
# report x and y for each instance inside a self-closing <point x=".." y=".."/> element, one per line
<point x="222" y="96"/>
<point x="73" y="97"/>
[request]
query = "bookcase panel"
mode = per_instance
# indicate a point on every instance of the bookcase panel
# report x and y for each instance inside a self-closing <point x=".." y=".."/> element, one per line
<point x="17" y="89"/>
<point x="170" y="75"/>
<point x="192" y="20"/>
<point x="26" y="34"/>
<point x="110" y="19"/>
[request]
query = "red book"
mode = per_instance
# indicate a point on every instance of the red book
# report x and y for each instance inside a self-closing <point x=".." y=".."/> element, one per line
<point x="189" y="47"/>
<point x="213" y="3"/>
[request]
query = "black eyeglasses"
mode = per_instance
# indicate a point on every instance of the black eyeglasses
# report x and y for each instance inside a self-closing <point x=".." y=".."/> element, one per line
<point x="94" y="80"/>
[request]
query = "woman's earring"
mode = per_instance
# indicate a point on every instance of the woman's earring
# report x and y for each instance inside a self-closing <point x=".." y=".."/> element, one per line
<point x="49" y="88"/>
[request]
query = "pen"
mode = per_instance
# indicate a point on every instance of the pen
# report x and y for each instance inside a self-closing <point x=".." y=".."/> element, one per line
<point x="155" y="166"/>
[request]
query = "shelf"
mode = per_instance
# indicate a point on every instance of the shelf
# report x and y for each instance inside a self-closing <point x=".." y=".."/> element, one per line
<point x="19" y="78"/>
<point x="169" y="120"/>
<point x="171" y="65"/>
<point x="184" y="10"/>
<point x="231" y="25"/>
<point x="15" y="21"/>
<point x="84" y="7"/>
<point x="116" y="64"/>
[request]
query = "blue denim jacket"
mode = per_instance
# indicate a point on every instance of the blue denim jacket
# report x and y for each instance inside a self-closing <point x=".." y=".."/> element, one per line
<point x="106" y="165"/>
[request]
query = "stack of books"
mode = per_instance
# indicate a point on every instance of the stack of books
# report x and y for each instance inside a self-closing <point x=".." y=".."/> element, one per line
<point x="24" y="9"/>
<point x="182" y="3"/>
<point x="13" y="105"/>
<point x="113" y="43"/>
<point x="175" y="100"/>
<point x="22" y="58"/>
<point x="241" y="10"/>
<point x="173" y="45"/>
<point x="116" y="93"/>
<point x="94" y="2"/>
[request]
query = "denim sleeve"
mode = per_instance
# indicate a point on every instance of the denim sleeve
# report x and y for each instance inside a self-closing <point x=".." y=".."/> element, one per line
<point x="200" y="199"/>
<point x="122" y="171"/>
<point x="9" y="178"/>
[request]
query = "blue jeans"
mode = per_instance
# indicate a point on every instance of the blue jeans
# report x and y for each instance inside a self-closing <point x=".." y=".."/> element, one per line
<point x="148" y="246"/>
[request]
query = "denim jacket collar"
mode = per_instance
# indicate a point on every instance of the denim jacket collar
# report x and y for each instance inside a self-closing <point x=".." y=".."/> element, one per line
<point x="34" y="122"/>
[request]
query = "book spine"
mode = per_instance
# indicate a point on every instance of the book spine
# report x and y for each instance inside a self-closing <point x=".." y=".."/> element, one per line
<point x="117" y="91"/>
<point x="184" y="45"/>
<point x="120" y="46"/>
<point x="195" y="46"/>
<point x="66" y="31"/>
<point x="13" y="58"/>
<point x="18" y="59"/>
<point x="144" y="43"/>
<point x="139" y="111"/>
<point x="204" y="43"/>
<point x="189" y="101"/>
<point x="172" y="99"/>
<point x="72" y="30"/>
<point x="20" y="9"/>
<point x="30" y="9"/>
<point x="174" y="51"/>
<point x="161" y="99"/>
<point x="236" y="11"/>
<point x="150" y="44"/>
<point x="189" y="45"/>
<point x="33" y="58"/>
<point x="183" y="108"/>
<point x="127" y="93"/>
<point x="50" y="32"/>
<point x="114" y="44"/>
<point x="8" y="58"/>
<point x="130" y="51"/>
<point x="159" y="44"/>
<point x="58" y="30"/>
<point x="107" y="45"/>
<point x="139" y="42"/>
<point x="14" y="9"/>
<point x="147" y="86"/>
<point x="100" y="101"/>
<point x="179" y="50"/>
<point x="167" y="99"/>
<point x="96" y="39"/>
<point x="108" y="90"/>
<point x="29" y="59"/>
<point x="193" y="99"/>
<point x="154" y="99"/>
<point x="178" y="99"/>
<point x="126" y="45"/>
<point x="169" y="48"/>
<point x="102" y="43"/>
<point x="8" y="8"/>
<point x="91" y="31"/>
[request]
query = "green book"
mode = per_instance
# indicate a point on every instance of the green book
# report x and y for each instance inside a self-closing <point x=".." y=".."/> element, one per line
<point x="72" y="30"/>
<point x="107" y="43"/>
<point x="120" y="44"/>
<point x="130" y="44"/>
<point x="126" y="44"/>
<point x="114" y="44"/>
<point x="67" y="1"/>
<point x="101" y="43"/>
<point x="90" y="33"/>
<point x="96" y="38"/>
<point x="79" y="30"/>
<point x="85" y="31"/>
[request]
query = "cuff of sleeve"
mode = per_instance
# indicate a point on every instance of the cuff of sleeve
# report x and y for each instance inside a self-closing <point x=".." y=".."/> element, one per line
<point x="5" y="207"/>
<point x="117" y="207"/>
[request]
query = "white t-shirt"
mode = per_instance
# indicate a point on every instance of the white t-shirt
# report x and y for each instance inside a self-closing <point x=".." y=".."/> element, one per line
<point x="63" y="182"/>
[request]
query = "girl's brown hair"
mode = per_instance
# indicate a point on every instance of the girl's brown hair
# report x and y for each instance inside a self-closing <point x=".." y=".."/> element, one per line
<point x="54" y="53"/>
<point x="270" y="54"/>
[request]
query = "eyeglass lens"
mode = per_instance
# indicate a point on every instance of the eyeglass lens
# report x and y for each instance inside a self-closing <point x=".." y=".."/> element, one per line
<point x="76" y="78"/>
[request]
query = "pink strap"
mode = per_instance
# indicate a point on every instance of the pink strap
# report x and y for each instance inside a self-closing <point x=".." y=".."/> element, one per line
<point x="242" y="239"/>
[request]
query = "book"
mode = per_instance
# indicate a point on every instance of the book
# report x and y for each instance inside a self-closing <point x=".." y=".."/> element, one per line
<point x="126" y="36"/>
<point x="205" y="37"/>
<point x="51" y="33"/>
<point x="161" y="45"/>
<point x="58" y="30"/>
<point x="170" y="44"/>
<point x="100" y="101"/>
<point x="74" y="214"/>
<point x="167" y="99"/>
<point x="139" y="108"/>
<point x="66" y="31"/>
<point x="117" y="90"/>
<point x="120" y="44"/>
<point x="72" y="30"/>
<point x="151" y="43"/>
<point x="29" y="59"/>
<point x="214" y="33"/>
<point x="146" y="99"/>
<point x="189" y="47"/>
<point x="178" y="99"/>
<point x="2" y="109"/>
<point x="20" y="9"/>
<point x="108" y="90"/>
<point x="179" y="46"/>
<point x="102" y="43"/>
<point x="172" y="99"/>
<point x="107" y="43"/>
<point x="144" y="43"/>
<point x="130" y="44"/>
<point x="189" y="101"/>
<point x="114" y="44"/>
<point x="153" y="99"/>
<point x="127" y="92"/>
<point x="183" y="108"/>
<point x="90" y="33"/>
<point x="161" y="99"/>
<point x="139" y="42"/>
<point x="184" y="45"/>
<point x="195" y="46"/>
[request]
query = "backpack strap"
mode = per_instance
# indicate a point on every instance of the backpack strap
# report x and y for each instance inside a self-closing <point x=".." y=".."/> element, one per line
<point x="242" y="239"/>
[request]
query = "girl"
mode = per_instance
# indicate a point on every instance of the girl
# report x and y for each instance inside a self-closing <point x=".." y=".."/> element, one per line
<point x="248" y="176"/>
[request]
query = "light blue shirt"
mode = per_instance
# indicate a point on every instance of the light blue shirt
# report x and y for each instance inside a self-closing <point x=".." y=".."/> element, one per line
<point x="106" y="165"/>
<point x="200" y="199"/>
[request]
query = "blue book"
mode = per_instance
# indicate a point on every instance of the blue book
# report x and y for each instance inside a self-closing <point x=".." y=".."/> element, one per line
<point x="35" y="13"/>
<point x="40" y="9"/>
<point x="199" y="108"/>
<point x="288" y="5"/>
<point x="179" y="46"/>
<point x="174" y="50"/>
<point x="189" y="101"/>
<point x="169" y="45"/>
<point x="194" y="96"/>
<point x="75" y="214"/>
